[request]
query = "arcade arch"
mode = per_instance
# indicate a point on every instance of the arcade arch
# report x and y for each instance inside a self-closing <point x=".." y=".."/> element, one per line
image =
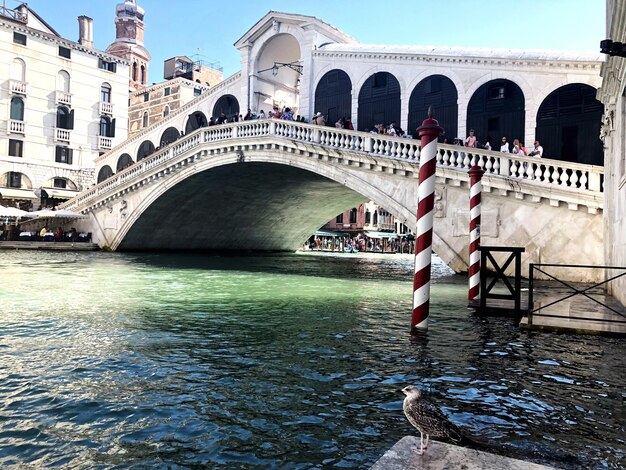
<point x="195" y="121"/>
<point x="439" y="92"/>
<point x="333" y="96"/>
<point x="379" y="101"/>
<point x="124" y="161"/>
<point x="145" y="149"/>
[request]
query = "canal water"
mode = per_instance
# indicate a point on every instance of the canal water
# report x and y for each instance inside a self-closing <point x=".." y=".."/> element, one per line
<point x="284" y="361"/>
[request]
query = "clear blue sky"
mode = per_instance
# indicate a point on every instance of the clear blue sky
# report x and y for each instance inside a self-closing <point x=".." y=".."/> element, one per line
<point x="210" y="27"/>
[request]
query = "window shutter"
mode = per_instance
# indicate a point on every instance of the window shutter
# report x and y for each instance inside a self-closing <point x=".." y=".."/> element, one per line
<point x="70" y="120"/>
<point x="69" y="156"/>
<point x="112" y="131"/>
<point x="57" y="154"/>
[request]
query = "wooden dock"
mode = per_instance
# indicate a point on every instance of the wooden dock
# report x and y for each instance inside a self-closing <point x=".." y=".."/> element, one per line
<point x="49" y="246"/>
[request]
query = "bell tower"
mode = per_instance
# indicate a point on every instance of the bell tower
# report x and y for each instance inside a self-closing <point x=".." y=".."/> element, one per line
<point x="129" y="29"/>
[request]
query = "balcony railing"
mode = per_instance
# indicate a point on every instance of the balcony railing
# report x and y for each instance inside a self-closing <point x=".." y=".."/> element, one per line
<point x="16" y="127"/>
<point x="105" y="143"/>
<point x="62" y="97"/>
<point x="106" y="108"/>
<point x="17" y="86"/>
<point x="62" y="135"/>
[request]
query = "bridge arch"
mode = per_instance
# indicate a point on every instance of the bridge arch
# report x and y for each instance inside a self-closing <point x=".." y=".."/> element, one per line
<point x="226" y="104"/>
<point x="104" y="173"/>
<point x="379" y="101"/>
<point x="145" y="149"/>
<point x="171" y="134"/>
<point x="497" y="109"/>
<point x="196" y="120"/>
<point x="124" y="161"/>
<point x="568" y="124"/>
<point x="333" y="96"/>
<point x="441" y="93"/>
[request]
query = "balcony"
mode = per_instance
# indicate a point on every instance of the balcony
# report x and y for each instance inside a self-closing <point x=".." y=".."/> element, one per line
<point x="106" y="108"/>
<point x="16" y="127"/>
<point x="62" y="135"/>
<point x="105" y="143"/>
<point x="63" y="98"/>
<point x="18" y="87"/>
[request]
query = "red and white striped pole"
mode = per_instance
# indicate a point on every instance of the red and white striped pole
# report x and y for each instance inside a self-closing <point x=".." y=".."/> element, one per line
<point x="475" y="174"/>
<point x="429" y="131"/>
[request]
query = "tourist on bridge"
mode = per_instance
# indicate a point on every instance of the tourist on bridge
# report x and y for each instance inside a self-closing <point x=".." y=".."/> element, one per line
<point x="537" y="150"/>
<point x="262" y="115"/>
<point x="222" y="118"/>
<point x="505" y="146"/>
<point x="487" y="144"/>
<point x="471" y="139"/>
<point x="318" y="118"/>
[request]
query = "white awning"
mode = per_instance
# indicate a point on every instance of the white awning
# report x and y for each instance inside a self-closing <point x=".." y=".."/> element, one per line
<point x="59" y="193"/>
<point x="14" y="193"/>
<point x="376" y="234"/>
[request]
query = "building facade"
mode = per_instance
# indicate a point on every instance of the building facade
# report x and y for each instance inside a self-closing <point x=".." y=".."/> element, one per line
<point x="613" y="95"/>
<point x="65" y="103"/>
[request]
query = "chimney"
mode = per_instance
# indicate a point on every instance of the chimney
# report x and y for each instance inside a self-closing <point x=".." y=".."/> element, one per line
<point x="85" y="31"/>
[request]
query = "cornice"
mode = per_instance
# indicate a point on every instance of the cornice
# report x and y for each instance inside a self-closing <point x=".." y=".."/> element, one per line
<point x="62" y="42"/>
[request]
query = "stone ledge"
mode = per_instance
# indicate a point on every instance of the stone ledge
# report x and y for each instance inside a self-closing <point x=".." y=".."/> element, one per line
<point x="403" y="456"/>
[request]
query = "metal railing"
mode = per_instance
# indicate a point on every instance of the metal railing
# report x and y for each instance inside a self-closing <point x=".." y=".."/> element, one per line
<point x="573" y="291"/>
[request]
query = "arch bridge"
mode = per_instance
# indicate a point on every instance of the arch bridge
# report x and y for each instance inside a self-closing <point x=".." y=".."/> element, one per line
<point x="269" y="184"/>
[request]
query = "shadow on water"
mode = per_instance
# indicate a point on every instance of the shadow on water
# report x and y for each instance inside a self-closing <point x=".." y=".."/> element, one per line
<point x="282" y="361"/>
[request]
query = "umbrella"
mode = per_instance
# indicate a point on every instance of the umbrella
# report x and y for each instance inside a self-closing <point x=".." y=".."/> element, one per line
<point x="11" y="212"/>
<point x="68" y="214"/>
<point x="60" y="214"/>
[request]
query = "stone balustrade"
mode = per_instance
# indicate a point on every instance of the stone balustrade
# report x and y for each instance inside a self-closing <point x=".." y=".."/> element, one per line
<point x="17" y="86"/>
<point x="63" y="98"/>
<point x="62" y="135"/>
<point x="16" y="127"/>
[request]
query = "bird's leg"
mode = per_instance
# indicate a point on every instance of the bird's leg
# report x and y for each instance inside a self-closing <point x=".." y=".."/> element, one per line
<point x="421" y="451"/>
<point x="427" y="437"/>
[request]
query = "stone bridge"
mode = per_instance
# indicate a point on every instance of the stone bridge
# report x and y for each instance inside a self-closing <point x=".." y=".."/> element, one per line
<point x="269" y="184"/>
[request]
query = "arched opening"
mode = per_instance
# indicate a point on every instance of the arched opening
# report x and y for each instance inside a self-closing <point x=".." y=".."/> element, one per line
<point x="143" y="74"/>
<point x="166" y="111"/>
<point x="105" y="93"/>
<point x="568" y="125"/>
<point x="63" y="81"/>
<point x="65" y="118"/>
<point x="146" y="148"/>
<point x="439" y="92"/>
<point x="124" y="161"/>
<point x="134" y="71"/>
<point x="379" y="101"/>
<point x="333" y="96"/>
<point x="107" y="126"/>
<point x="226" y="104"/>
<point x="496" y="109"/>
<point x="104" y="173"/>
<point x="195" y="121"/>
<point x="17" y="109"/>
<point x="144" y="120"/>
<point x="18" y="70"/>
<point x="170" y="135"/>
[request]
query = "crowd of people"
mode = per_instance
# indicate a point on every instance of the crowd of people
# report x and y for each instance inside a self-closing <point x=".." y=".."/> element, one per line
<point x="518" y="147"/>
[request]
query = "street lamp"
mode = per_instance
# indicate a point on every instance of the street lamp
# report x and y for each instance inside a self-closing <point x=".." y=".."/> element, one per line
<point x="613" y="48"/>
<point x="277" y="65"/>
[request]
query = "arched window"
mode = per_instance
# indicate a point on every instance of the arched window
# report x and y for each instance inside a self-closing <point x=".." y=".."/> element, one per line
<point x="333" y="96"/>
<point x="104" y="173"/>
<point x="170" y="135"/>
<point x="368" y="216"/>
<point x="144" y="121"/>
<point x="18" y="70"/>
<point x="17" y="108"/>
<point x="166" y="111"/>
<point x="143" y="74"/>
<point x="439" y="92"/>
<point x="379" y="101"/>
<point x="146" y="148"/>
<point x="375" y="218"/>
<point x="65" y="118"/>
<point x="105" y="93"/>
<point x="124" y="161"/>
<point x="63" y="81"/>
<point x="134" y="71"/>
<point x="106" y="128"/>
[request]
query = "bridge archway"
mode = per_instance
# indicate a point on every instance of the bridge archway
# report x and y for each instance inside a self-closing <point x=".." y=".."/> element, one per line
<point x="568" y="125"/>
<point x="496" y="109"/>
<point x="145" y="149"/>
<point x="226" y="104"/>
<point x="104" y="173"/>
<point x="333" y="96"/>
<point x="170" y="135"/>
<point x="441" y="93"/>
<point x="124" y="161"/>
<point x="195" y="121"/>
<point x="379" y="101"/>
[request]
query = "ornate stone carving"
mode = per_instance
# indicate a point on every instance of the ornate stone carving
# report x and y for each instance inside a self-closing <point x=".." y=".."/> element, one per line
<point x="440" y="202"/>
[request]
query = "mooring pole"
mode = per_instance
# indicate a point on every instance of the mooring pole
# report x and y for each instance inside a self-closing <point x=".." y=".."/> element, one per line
<point x="475" y="173"/>
<point x="429" y="131"/>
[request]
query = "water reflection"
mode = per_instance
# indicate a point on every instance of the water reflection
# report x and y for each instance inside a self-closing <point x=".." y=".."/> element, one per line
<point x="277" y="362"/>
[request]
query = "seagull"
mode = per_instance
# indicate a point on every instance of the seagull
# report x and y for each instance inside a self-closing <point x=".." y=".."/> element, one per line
<point x="427" y="418"/>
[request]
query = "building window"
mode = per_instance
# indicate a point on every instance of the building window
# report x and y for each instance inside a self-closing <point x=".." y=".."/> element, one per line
<point x="59" y="183"/>
<point x="19" y="38"/>
<point x="65" y="118"/>
<point x="166" y="91"/>
<point x="108" y="66"/>
<point x="380" y="80"/>
<point x="14" y="180"/>
<point x="166" y="111"/>
<point x="63" y="155"/>
<point x="107" y="127"/>
<point x="16" y="148"/>
<point x="143" y="74"/>
<point x="368" y="216"/>
<point x="63" y="81"/>
<point x="496" y="92"/>
<point x="134" y="71"/>
<point x="17" y="109"/>
<point x="375" y="218"/>
<point x="65" y="52"/>
<point x="339" y="218"/>
<point x="197" y="92"/>
<point x="353" y="214"/>
<point x="146" y="96"/>
<point x="144" y="121"/>
<point x="105" y="93"/>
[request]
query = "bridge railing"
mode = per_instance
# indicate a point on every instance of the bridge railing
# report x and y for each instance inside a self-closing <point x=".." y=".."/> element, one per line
<point x="568" y="175"/>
